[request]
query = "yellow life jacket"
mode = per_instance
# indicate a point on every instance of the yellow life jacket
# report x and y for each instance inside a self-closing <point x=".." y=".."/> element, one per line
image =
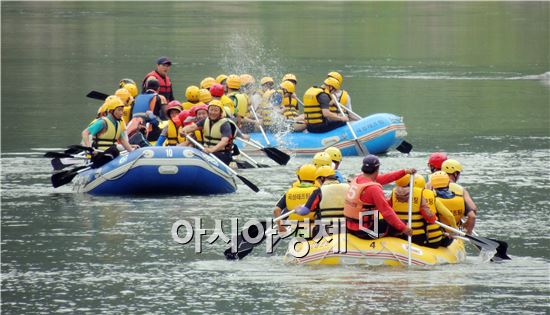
<point x="333" y="196"/>
<point x="126" y="114"/>
<point x="433" y="231"/>
<point x="173" y="137"/>
<point x="226" y="101"/>
<point x="240" y="100"/>
<point x="402" y="210"/>
<point x="212" y="134"/>
<point x="198" y="135"/>
<point x="344" y="98"/>
<point x="312" y="108"/>
<point x="187" y="105"/>
<point x="455" y="204"/>
<point x="265" y="110"/>
<point x="297" y="196"/>
<point x="109" y="135"/>
<point x="290" y="105"/>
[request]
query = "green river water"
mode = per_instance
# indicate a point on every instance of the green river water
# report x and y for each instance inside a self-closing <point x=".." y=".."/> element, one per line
<point x="469" y="78"/>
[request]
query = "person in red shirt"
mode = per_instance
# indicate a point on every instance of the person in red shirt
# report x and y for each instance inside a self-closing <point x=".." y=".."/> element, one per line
<point x="365" y="195"/>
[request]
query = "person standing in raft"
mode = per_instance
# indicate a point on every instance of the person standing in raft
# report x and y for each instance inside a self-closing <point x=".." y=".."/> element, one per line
<point x="161" y="74"/>
<point x="110" y="129"/>
<point x="217" y="132"/>
<point x="366" y="194"/>
<point x="321" y="113"/>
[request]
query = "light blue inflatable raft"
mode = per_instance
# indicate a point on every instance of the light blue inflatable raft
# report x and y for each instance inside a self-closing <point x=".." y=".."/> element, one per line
<point x="379" y="133"/>
<point x="158" y="171"/>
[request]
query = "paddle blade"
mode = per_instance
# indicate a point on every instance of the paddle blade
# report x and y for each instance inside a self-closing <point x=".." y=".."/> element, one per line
<point x="58" y="165"/>
<point x="277" y="155"/>
<point x="248" y="183"/>
<point x="79" y="148"/>
<point x="483" y="243"/>
<point x="501" y="250"/>
<point x="65" y="177"/>
<point x="244" y="165"/>
<point x="244" y="248"/>
<point x="56" y="155"/>
<point x="404" y="147"/>
<point x="97" y="95"/>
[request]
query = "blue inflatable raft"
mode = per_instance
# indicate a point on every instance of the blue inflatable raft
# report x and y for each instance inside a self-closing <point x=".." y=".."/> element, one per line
<point x="158" y="171"/>
<point x="379" y="133"/>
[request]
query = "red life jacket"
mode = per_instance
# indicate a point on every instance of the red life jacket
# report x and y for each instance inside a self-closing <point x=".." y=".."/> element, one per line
<point x="353" y="206"/>
<point x="165" y="84"/>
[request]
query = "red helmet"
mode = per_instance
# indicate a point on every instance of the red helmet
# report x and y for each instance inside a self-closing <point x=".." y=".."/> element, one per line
<point x="436" y="159"/>
<point x="217" y="90"/>
<point x="196" y="108"/>
<point x="183" y="116"/>
<point x="174" y="105"/>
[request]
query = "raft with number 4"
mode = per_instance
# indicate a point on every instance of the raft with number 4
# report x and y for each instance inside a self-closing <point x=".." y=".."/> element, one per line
<point x="158" y="171"/>
<point x="379" y="133"/>
<point x="348" y="249"/>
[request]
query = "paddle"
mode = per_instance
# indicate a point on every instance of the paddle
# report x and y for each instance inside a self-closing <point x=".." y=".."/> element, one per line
<point x="65" y="177"/>
<point x="360" y="148"/>
<point x="404" y="147"/>
<point x="97" y="95"/>
<point x="242" y="178"/>
<point x="409" y="223"/>
<point x="244" y="248"/>
<point x="273" y="153"/>
<point x="58" y="164"/>
<point x="481" y="242"/>
<point x="254" y="162"/>
<point x="501" y="249"/>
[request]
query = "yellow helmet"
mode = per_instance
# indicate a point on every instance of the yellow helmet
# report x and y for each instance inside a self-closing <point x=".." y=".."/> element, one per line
<point x="334" y="153"/>
<point x="132" y="88"/>
<point x="332" y="82"/>
<point x="288" y="87"/>
<point x="419" y="181"/>
<point x="221" y="78"/>
<point x="289" y="77"/>
<point x="112" y="102"/>
<point x="192" y="93"/>
<point x="216" y="103"/>
<point x="124" y="95"/>
<point x="439" y="179"/>
<point x="233" y="82"/>
<point x="125" y="81"/>
<point x="324" y="171"/>
<point x="451" y="166"/>
<point x="102" y="108"/>
<point x="205" y="96"/>
<point x="266" y="80"/>
<point x="247" y="79"/>
<point x="336" y="75"/>
<point x="322" y="159"/>
<point x="207" y="82"/>
<point x="307" y="172"/>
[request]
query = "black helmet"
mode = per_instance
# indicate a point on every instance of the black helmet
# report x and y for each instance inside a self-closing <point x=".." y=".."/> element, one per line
<point x="371" y="163"/>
